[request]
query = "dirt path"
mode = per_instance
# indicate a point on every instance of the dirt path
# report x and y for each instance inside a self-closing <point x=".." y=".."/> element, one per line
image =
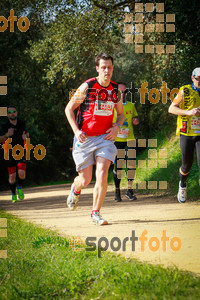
<point x="47" y="206"/>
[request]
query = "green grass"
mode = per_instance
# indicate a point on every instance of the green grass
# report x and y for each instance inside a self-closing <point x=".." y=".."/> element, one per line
<point x="40" y="265"/>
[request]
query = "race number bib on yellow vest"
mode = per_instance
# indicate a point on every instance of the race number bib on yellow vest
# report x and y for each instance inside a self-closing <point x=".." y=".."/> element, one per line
<point x="195" y="123"/>
<point x="123" y="133"/>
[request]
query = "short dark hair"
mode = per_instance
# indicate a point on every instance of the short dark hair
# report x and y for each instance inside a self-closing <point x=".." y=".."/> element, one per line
<point x="104" y="56"/>
<point x="120" y="82"/>
<point x="9" y="106"/>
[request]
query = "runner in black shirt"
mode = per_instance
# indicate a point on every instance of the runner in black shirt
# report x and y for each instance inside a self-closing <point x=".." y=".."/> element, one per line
<point x="16" y="130"/>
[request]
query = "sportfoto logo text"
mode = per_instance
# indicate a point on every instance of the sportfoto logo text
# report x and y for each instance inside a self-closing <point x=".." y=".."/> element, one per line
<point x="154" y="94"/>
<point x="23" y="23"/>
<point x="18" y="151"/>
<point x="116" y="244"/>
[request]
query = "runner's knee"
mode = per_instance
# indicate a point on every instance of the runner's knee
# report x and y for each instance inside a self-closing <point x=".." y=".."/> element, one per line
<point x="12" y="178"/>
<point x="21" y="174"/>
<point x="85" y="181"/>
<point x="117" y="173"/>
<point x="185" y="169"/>
<point x="101" y="175"/>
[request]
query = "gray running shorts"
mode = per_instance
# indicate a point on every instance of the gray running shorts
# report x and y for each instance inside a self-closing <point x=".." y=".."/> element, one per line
<point x="84" y="154"/>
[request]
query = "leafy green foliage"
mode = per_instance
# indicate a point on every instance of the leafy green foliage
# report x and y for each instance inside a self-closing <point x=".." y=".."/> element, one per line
<point x="57" y="54"/>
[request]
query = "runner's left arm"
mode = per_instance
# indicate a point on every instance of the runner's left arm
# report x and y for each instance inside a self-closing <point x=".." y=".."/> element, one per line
<point x="135" y="119"/>
<point x="176" y="110"/>
<point x="5" y="133"/>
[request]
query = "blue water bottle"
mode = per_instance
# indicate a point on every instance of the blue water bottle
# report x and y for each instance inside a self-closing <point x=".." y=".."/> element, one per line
<point x="78" y="144"/>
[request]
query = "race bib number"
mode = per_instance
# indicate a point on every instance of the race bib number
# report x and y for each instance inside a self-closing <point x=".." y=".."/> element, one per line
<point x="195" y="123"/>
<point x="103" y="108"/>
<point x="123" y="133"/>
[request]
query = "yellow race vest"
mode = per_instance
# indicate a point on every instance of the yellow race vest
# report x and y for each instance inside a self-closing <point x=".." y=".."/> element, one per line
<point x="189" y="125"/>
<point x="126" y="131"/>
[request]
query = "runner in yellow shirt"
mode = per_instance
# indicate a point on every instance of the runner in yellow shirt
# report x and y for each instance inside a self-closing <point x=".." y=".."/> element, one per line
<point x="187" y="106"/>
<point x="123" y="141"/>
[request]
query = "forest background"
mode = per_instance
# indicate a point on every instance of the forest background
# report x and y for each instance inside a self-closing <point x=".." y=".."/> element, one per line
<point x="56" y="54"/>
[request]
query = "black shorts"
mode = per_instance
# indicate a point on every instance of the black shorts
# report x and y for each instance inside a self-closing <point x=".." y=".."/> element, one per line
<point x="13" y="163"/>
<point x="188" y="144"/>
<point x="129" y="154"/>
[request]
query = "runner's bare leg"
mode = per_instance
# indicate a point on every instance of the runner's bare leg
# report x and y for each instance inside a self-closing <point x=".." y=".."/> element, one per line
<point x="12" y="178"/>
<point x="100" y="188"/>
<point x="84" y="177"/>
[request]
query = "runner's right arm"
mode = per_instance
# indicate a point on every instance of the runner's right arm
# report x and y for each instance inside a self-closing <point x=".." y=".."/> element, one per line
<point x="176" y="110"/>
<point x="6" y="135"/>
<point x="75" y="102"/>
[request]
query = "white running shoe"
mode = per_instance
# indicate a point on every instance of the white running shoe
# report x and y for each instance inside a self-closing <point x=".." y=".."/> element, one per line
<point x="97" y="219"/>
<point x="72" y="199"/>
<point x="182" y="194"/>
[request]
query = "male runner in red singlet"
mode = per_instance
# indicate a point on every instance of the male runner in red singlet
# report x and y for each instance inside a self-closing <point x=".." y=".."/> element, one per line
<point x="16" y="130"/>
<point x="94" y="133"/>
<point x="187" y="106"/>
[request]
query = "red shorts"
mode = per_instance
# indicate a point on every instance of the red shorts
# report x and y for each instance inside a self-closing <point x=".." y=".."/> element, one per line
<point x="20" y="166"/>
